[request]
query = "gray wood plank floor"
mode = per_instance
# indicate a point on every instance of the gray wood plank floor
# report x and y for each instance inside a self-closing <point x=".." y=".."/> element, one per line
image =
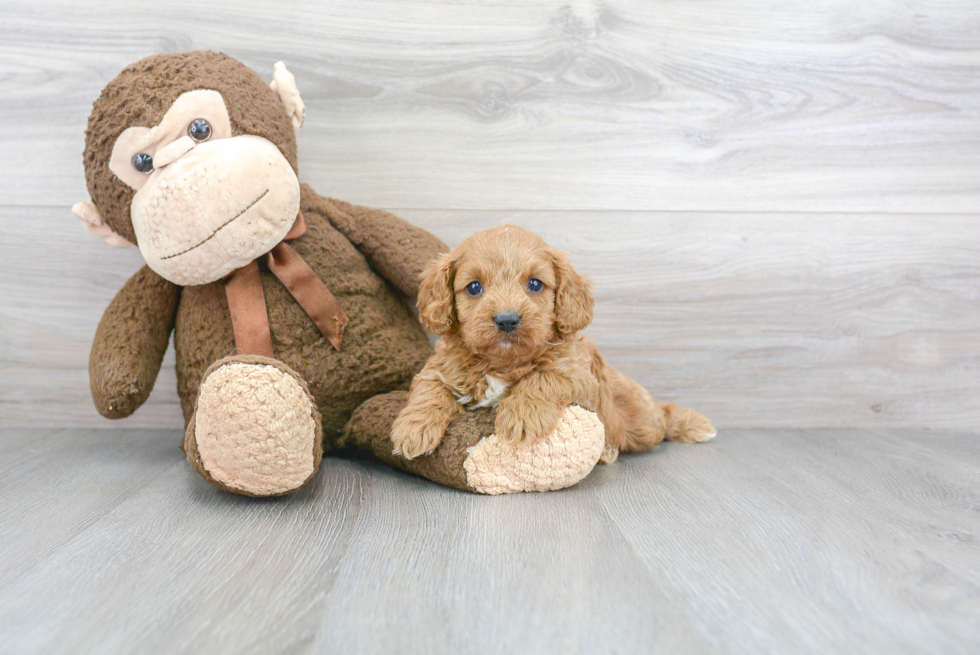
<point x="778" y="204"/>
<point x="809" y="541"/>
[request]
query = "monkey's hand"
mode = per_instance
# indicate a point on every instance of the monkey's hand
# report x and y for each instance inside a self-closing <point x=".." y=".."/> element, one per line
<point x="394" y="247"/>
<point x="130" y="343"/>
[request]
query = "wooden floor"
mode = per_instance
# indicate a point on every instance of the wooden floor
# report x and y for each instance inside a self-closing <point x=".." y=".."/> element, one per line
<point x="779" y="205"/>
<point x="761" y="541"/>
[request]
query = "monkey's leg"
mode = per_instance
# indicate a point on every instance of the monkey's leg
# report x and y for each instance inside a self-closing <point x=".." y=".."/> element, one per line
<point x="255" y="429"/>
<point x="470" y="457"/>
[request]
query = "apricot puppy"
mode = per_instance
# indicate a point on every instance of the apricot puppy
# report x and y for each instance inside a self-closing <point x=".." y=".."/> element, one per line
<point x="509" y="309"/>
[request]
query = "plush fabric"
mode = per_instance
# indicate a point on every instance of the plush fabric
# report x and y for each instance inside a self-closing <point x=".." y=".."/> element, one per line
<point x="258" y="425"/>
<point x="169" y="138"/>
<point x="370" y="430"/>
<point x="143" y="92"/>
<point x="215" y="210"/>
<point x="256" y="428"/>
<point x="129" y="345"/>
<point x="383" y="346"/>
<point x="555" y="461"/>
<point x="88" y="214"/>
<point x="284" y="84"/>
<point x="468" y="460"/>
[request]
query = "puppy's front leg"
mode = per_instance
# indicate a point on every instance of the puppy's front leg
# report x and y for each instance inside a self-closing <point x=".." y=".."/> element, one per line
<point x="533" y="407"/>
<point x="431" y="407"/>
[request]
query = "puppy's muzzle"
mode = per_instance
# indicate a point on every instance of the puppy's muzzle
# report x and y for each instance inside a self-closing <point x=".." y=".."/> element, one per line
<point x="507" y="321"/>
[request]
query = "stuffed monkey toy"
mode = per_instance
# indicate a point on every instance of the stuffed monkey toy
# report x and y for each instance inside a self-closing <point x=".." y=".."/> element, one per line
<point x="287" y="308"/>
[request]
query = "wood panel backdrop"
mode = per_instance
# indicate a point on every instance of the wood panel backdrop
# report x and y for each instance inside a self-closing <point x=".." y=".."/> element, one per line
<point x="778" y="201"/>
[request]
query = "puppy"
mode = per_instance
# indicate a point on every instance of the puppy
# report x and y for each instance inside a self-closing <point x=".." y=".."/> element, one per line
<point x="510" y="309"/>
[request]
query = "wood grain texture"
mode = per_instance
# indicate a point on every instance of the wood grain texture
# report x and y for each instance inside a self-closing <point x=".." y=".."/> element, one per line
<point x="755" y="319"/>
<point x="778" y="203"/>
<point x="761" y="541"/>
<point x="549" y="104"/>
<point x="693" y="158"/>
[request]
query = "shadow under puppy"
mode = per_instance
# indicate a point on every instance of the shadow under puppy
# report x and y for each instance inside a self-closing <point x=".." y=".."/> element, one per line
<point x="509" y="309"/>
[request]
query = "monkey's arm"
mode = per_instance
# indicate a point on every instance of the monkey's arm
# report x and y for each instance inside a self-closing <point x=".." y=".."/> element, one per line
<point x="130" y="343"/>
<point x="395" y="248"/>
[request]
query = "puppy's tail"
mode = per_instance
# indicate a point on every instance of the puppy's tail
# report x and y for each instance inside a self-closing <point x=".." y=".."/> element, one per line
<point x="636" y="422"/>
<point x="686" y="425"/>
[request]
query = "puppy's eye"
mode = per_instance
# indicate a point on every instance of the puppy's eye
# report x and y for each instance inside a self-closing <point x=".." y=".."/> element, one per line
<point x="143" y="163"/>
<point x="199" y="130"/>
<point x="474" y="288"/>
<point x="534" y="285"/>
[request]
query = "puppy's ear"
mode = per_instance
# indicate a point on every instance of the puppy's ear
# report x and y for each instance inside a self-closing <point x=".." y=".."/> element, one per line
<point x="573" y="297"/>
<point x="437" y="303"/>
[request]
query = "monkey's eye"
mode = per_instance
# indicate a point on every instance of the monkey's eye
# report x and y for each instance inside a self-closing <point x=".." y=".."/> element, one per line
<point x="534" y="285"/>
<point x="143" y="163"/>
<point x="474" y="288"/>
<point x="199" y="130"/>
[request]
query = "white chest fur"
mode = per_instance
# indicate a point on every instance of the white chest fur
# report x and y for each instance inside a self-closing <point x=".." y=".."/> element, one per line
<point x="491" y="397"/>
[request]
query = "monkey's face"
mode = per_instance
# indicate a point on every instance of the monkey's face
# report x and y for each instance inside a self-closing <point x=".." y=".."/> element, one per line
<point x="192" y="157"/>
<point x="206" y="202"/>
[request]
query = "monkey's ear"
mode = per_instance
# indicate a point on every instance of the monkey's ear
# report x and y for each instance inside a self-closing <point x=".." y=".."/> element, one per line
<point x="90" y="217"/>
<point x="284" y="84"/>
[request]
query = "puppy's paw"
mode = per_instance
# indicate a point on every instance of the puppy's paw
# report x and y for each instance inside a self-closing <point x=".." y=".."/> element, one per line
<point x="520" y="419"/>
<point x="414" y="434"/>
<point x="610" y="454"/>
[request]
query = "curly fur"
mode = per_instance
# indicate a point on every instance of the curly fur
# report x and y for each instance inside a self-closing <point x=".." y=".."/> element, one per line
<point x="532" y="372"/>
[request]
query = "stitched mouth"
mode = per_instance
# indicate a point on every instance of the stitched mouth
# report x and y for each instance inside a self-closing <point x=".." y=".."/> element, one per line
<point x="220" y="227"/>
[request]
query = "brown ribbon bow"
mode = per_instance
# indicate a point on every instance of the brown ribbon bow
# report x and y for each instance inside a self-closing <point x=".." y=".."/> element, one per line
<point x="249" y="315"/>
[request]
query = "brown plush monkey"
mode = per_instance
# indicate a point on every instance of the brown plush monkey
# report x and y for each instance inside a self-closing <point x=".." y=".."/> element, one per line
<point x="284" y="305"/>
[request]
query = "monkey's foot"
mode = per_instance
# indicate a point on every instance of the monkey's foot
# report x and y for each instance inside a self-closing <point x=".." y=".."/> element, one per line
<point x="555" y="461"/>
<point x="256" y="430"/>
<point x="471" y="458"/>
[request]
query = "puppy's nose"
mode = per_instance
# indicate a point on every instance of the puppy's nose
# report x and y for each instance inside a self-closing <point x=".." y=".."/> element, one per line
<point x="507" y="321"/>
